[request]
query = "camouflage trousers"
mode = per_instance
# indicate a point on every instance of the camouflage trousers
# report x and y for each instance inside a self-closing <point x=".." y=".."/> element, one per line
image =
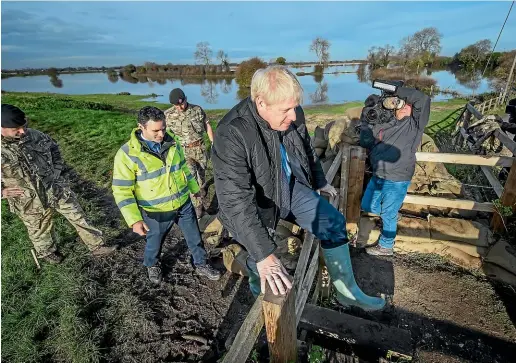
<point x="197" y="160"/>
<point x="40" y="226"/>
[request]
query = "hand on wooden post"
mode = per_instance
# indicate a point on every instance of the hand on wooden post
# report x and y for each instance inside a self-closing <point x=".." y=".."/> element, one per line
<point x="272" y="271"/>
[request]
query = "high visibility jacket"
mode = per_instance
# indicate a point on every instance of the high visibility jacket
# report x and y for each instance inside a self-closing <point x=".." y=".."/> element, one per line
<point x="151" y="181"/>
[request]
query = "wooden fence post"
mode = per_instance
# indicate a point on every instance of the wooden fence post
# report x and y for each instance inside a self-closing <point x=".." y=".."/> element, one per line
<point x="508" y="199"/>
<point x="280" y="323"/>
<point x="355" y="187"/>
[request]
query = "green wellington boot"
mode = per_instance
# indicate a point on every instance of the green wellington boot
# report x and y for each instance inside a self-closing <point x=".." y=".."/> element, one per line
<point x="339" y="267"/>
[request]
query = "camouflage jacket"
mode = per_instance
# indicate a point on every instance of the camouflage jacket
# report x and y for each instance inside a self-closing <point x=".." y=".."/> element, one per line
<point x="188" y="125"/>
<point x="33" y="163"/>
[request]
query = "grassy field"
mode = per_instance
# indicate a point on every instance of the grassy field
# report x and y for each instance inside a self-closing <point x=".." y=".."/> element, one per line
<point x="45" y="314"/>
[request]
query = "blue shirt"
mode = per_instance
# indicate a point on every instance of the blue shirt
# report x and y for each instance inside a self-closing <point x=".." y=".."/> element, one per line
<point x="285" y="162"/>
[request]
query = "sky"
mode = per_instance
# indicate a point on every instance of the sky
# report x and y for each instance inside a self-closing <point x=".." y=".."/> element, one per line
<point x="61" y="34"/>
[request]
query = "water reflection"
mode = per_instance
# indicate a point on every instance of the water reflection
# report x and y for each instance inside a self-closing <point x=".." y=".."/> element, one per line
<point x="469" y="79"/>
<point x="56" y="82"/>
<point x="321" y="93"/>
<point x="363" y="73"/>
<point x="209" y="92"/>
<point x="128" y="78"/>
<point x="112" y="77"/>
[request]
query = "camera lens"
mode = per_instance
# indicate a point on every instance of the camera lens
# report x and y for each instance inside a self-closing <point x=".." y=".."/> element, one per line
<point x="372" y="115"/>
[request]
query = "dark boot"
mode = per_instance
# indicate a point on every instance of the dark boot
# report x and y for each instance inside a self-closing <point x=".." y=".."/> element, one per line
<point x="54" y="258"/>
<point x="155" y="275"/>
<point x="102" y="251"/>
<point x="208" y="271"/>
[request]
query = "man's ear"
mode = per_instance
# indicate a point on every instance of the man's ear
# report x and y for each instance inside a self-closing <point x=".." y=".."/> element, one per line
<point x="260" y="103"/>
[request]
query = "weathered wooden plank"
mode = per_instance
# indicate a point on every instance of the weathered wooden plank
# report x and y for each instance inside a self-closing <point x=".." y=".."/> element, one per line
<point x="247" y="335"/>
<point x="465" y="159"/>
<point x="495" y="183"/>
<point x="448" y="203"/>
<point x="344" y="175"/>
<point x="506" y="140"/>
<point x="357" y="331"/>
<point x="508" y="199"/>
<point x="304" y="290"/>
<point x="355" y="187"/>
<point x="332" y="171"/>
<point x="303" y="259"/>
<point x="474" y="112"/>
<point x="280" y="323"/>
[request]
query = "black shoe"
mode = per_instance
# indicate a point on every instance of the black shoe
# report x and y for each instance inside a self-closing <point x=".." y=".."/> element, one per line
<point x="208" y="271"/>
<point x="54" y="258"/>
<point x="155" y="275"/>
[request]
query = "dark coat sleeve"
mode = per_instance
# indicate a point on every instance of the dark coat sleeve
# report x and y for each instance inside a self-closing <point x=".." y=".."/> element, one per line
<point x="235" y="193"/>
<point x="420" y="105"/>
<point x="318" y="176"/>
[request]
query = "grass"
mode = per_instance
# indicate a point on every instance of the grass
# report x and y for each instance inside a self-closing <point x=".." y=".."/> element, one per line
<point x="41" y="310"/>
<point x="45" y="313"/>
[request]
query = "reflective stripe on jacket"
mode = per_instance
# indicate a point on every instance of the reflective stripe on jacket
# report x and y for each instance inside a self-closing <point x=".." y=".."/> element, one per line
<point x="156" y="183"/>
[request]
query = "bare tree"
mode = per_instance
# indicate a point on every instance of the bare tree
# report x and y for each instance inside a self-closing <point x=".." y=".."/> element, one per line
<point x="380" y="56"/>
<point x="223" y="59"/>
<point x="203" y="53"/>
<point x="421" y="47"/>
<point x="321" y="48"/>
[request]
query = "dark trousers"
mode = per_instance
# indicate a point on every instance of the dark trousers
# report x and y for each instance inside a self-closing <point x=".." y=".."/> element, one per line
<point x="161" y="223"/>
<point x="315" y="214"/>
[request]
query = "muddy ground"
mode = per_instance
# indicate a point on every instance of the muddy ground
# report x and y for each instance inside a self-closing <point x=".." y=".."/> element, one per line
<point x="453" y="316"/>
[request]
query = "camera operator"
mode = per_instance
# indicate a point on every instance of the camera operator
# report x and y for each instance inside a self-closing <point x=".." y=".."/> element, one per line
<point x="392" y="143"/>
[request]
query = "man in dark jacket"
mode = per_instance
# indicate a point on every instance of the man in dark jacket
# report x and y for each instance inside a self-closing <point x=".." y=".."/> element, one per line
<point x="265" y="169"/>
<point x="392" y="152"/>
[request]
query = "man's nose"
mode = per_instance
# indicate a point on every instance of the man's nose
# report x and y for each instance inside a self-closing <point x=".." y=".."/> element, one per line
<point x="292" y="115"/>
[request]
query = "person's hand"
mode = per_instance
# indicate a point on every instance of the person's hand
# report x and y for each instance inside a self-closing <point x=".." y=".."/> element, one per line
<point x="329" y="189"/>
<point x="272" y="271"/>
<point x="141" y="228"/>
<point x="11" y="192"/>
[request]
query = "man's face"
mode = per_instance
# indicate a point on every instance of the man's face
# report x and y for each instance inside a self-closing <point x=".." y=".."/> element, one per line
<point x="14" y="133"/>
<point x="181" y="107"/>
<point x="153" y="130"/>
<point x="279" y="115"/>
<point x="404" y="111"/>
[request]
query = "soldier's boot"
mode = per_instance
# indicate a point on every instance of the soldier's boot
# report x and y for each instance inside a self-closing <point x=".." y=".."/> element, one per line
<point x="154" y="273"/>
<point x="198" y="206"/>
<point x="54" y="258"/>
<point x="102" y="251"/>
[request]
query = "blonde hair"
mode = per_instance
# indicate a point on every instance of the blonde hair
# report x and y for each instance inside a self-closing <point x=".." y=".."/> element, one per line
<point x="276" y="84"/>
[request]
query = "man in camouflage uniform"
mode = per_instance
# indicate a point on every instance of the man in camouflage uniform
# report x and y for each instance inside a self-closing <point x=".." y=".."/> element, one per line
<point x="189" y="122"/>
<point x="33" y="185"/>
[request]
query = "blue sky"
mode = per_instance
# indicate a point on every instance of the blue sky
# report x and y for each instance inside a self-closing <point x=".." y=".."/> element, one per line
<point x="60" y="34"/>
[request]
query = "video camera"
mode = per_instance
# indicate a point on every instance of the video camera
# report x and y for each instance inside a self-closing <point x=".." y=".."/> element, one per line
<point x="379" y="109"/>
